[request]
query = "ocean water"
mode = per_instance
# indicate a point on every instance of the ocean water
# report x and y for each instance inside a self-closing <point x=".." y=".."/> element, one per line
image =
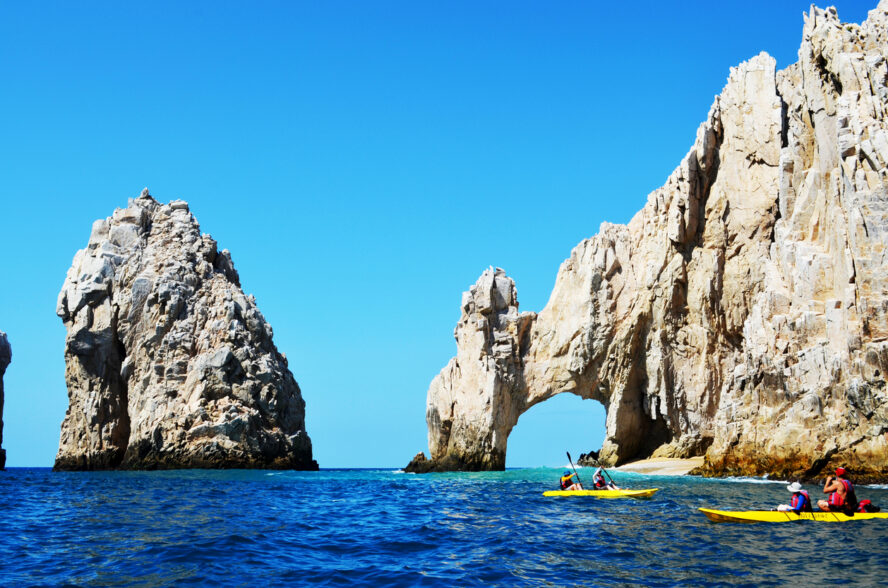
<point x="383" y="527"/>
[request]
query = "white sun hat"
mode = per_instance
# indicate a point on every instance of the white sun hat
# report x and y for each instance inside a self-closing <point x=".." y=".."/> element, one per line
<point x="794" y="487"/>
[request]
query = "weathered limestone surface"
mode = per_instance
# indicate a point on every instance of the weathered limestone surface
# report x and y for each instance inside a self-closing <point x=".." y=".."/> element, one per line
<point x="742" y="314"/>
<point x="168" y="363"/>
<point x="475" y="401"/>
<point x="5" y="359"/>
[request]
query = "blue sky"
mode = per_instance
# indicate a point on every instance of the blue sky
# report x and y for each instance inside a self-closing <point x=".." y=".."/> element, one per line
<point x="364" y="162"/>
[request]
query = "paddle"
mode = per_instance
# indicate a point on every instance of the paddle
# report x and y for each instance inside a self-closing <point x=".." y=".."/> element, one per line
<point x="574" y="469"/>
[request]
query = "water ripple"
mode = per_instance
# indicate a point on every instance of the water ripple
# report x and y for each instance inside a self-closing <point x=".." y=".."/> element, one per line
<point x="237" y="528"/>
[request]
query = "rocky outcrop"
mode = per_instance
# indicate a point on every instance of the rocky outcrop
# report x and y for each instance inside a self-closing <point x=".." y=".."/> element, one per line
<point x="742" y="314"/>
<point x="5" y="359"/>
<point x="168" y="363"/>
<point x="420" y="464"/>
<point x="475" y="401"/>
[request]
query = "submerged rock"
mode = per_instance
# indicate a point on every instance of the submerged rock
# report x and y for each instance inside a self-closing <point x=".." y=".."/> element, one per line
<point x="742" y="314"/>
<point x="168" y="363"/>
<point x="5" y="359"/>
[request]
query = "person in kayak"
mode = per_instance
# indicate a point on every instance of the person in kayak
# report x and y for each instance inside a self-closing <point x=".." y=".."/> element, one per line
<point x="841" y="493"/>
<point x="601" y="483"/>
<point x="800" y="501"/>
<point x="566" y="484"/>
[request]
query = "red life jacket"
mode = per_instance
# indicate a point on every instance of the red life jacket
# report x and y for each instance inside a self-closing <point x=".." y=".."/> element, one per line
<point x="795" y="501"/>
<point x="599" y="481"/>
<point x="850" y="498"/>
<point x="835" y="499"/>
<point x="565" y="482"/>
<point x="867" y="506"/>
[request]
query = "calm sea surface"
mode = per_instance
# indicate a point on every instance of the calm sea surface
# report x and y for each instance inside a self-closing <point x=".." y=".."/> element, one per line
<point x="382" y="527"/>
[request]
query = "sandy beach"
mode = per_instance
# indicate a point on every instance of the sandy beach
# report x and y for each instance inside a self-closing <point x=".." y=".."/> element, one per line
<point x="662" y="466"/>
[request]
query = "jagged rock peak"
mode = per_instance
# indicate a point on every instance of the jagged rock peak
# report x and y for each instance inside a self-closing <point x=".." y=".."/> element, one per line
<point x="168" y="363"/>
<point x="491" y="337"/>
<point x="5" y="359"/>
<point x="742" y="314"/>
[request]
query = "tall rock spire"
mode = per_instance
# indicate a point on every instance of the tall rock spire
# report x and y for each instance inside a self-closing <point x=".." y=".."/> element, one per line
<point x="168" y="363"/>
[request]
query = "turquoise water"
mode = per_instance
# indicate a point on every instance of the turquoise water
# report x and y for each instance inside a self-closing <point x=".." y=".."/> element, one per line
<point x="383" y="527"/>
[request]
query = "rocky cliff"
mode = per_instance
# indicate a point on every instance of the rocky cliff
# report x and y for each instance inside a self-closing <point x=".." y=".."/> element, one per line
<point x="5" y="359"/>
<point x="168" y="363"/>
<point x="742" y="314"/>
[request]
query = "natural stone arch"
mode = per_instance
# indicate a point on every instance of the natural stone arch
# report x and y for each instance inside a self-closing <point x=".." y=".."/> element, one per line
<point x="498" y="375"/>
<point x="646" y="318"/>
<point x="741" y="313"/>
<point x="563" y="422"/>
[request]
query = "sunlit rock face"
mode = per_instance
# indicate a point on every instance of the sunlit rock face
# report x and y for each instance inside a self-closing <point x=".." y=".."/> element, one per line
<point x="742" y="314"/>
<point x="5" y="359"/>
<point x="168" y="363"/>
<point x="476" y="400"/>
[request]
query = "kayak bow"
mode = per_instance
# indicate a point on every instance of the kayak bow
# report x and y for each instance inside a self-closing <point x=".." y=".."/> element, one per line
<point x="776" y="516"/>
<point x="646" y="493"/>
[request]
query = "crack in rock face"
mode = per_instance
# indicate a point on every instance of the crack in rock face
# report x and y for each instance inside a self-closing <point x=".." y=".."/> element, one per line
<point x="742" y="314"/>
<point x="168" y="364"/>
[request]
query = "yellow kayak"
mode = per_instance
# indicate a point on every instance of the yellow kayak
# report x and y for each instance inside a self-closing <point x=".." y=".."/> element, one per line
<point x="646" y="493"/>
<point x="774" y="516"/>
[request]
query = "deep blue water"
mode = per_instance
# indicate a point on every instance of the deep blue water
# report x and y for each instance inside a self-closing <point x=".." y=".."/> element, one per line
<point x="381" y="527"/>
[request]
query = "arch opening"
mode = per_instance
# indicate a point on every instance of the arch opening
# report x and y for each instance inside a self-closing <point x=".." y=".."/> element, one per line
<point x="565" y="422"/>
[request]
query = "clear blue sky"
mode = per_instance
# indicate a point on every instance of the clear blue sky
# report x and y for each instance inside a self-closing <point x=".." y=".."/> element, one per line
<point x="363" y="161"/>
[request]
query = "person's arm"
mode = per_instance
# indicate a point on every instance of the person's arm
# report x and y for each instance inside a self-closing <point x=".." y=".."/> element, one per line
<point x="831" y="485"/>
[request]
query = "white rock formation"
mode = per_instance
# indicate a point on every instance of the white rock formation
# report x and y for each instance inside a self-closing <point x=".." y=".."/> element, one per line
<point x="168" y="363"/>
<point x="468" y="425"/>
<point x="5" y="359"/>
<point x="741" y="314"/>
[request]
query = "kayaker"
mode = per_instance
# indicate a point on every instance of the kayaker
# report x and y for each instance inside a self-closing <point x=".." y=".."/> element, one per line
<point x="800" y="501"/>
<point x="841" y="493"/>
<point x="601" y="483"/>
<point x="566" y="484"/>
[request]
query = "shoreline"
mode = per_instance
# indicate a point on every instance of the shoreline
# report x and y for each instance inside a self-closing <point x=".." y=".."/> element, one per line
<point x="665" y="466"/>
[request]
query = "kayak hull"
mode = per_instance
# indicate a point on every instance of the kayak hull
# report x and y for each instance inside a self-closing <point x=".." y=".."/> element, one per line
<point x="646" y="493"/>
<point x="774" y="516"/>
